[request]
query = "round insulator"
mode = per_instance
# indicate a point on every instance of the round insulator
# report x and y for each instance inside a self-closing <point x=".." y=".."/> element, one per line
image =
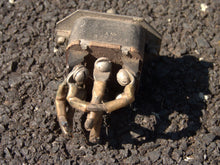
<point x="80" y="74"/>
<point x="123" y="77"/>
<point x="103" y="64"/>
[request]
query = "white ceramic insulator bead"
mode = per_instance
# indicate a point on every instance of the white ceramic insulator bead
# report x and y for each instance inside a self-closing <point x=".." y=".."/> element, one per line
<point x="123" y="77"/>
<point x="103" y="64"/>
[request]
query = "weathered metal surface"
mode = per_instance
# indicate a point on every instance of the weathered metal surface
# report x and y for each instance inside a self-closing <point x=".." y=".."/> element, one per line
<point x="108" y="35"/>
<point x="113" y="48"/>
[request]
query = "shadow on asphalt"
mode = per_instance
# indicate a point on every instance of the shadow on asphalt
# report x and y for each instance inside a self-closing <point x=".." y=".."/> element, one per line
<point x="168" y="86"/>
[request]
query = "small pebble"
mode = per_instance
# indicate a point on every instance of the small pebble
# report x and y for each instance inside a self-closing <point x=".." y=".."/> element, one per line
<point x="60" y="40"/>
<point x="206" y="97"/>
<point x="11" y="1"/>
<point x="154" y="155"/>
<point x="201" y="58"/>
<point x="197" y="52"/>
<point x="188" y="158"/>
<point x="203" y="7"/>
<point x="111" y="11"/>
<point x="55" y="50"/>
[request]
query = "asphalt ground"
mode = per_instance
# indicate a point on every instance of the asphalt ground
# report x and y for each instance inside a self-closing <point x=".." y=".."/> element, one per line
<point x="176" y="116"/>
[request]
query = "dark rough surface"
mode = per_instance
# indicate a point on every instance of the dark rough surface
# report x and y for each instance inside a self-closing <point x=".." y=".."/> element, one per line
<point x="175" y="120"/>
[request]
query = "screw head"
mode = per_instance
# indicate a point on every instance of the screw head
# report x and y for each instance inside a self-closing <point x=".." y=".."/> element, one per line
<point x="103" y="64"/>
<point x="80" y="74"/>
<point x="123" y="77"/>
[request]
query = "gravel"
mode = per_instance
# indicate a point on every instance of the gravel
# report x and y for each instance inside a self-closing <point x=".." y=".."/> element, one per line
<point x="175" y="119"/>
